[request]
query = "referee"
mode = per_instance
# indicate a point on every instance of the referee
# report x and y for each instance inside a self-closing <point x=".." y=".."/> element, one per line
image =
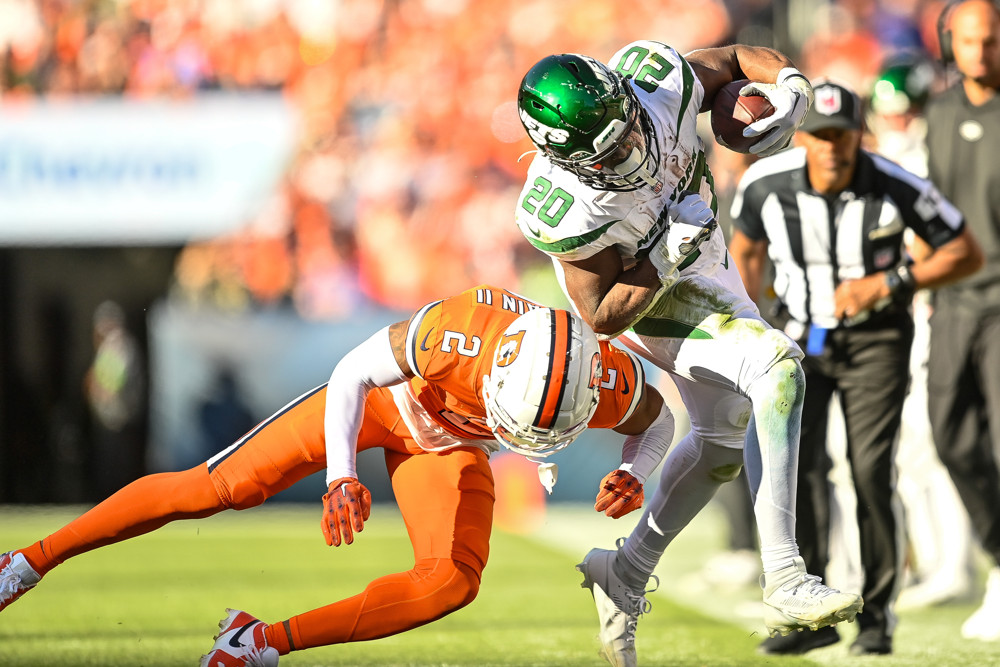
<point x="831" y="217"/>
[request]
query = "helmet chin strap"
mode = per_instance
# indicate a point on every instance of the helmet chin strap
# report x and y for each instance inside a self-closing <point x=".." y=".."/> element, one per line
<point x="633" y="166"/>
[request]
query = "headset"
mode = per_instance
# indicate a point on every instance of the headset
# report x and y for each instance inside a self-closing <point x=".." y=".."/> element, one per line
<point x="944" y="32"/>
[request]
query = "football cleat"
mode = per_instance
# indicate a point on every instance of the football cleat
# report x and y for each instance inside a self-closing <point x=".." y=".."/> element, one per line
<point x="984" y="624"/>
<point x="797" y="600"/>
<point x="618" y="606"/>
<point x="941" y="588"/>
<point x="798" y="643"/>
<point x="240" y="643"/>
<point x="17" y="577"/>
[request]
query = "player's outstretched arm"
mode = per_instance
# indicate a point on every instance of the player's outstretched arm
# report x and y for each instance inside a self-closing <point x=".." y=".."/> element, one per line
<point x="379" y="361"/>
<point x="648" y="434"/>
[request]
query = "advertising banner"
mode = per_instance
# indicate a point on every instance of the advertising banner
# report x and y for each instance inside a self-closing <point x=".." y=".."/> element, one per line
<point x="110" y="171"/>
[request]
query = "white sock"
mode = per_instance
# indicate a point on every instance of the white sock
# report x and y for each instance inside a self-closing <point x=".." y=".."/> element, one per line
<point x="772" y="459"/>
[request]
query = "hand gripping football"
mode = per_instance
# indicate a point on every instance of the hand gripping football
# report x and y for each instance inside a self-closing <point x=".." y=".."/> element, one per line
<point x="731" y="113"/>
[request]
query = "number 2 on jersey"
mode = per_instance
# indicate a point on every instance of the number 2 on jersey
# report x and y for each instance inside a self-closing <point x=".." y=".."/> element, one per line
<point x="547" y="204"/>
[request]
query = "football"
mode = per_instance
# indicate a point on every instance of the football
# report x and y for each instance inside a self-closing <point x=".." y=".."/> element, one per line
<point x="732" y="112"/>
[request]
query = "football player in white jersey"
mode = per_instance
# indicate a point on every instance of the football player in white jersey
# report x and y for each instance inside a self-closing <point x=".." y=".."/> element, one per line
<point x="620" y="196"/>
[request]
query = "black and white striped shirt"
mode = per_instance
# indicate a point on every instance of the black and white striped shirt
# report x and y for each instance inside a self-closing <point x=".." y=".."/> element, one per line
<point x="815" y="241"/>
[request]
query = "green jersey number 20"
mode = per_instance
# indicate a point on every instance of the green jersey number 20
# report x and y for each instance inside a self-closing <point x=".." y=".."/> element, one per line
<point x="546" y="203"/>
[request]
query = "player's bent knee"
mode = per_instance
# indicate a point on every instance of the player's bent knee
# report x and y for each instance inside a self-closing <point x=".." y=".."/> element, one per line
<point x="726" y="473"/>
<point x="448" y="584"/>
<point x="782" y="387"/>
<point x="470" y="583"/>
<point x="246" y="494"/>
<point x="791" y="369"/>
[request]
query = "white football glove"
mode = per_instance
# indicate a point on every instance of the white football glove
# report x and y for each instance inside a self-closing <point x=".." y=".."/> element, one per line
<point x="690" y="222"/>
<point x="791" y="98"/>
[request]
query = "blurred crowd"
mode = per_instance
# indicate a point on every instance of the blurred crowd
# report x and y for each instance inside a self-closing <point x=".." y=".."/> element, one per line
<point x="407" y="172"/>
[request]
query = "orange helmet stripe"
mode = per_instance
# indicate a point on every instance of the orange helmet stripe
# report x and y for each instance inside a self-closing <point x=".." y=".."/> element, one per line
<point x="555" y="381"/>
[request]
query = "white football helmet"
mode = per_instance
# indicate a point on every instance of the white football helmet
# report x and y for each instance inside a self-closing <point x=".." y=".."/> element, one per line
<point x="544" y="384"/>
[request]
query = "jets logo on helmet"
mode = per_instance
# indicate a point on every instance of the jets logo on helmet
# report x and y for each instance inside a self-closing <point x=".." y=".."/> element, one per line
<point x="544" y="384"/>
<point x="541" y="134"/>
<point x="587" y="119"/>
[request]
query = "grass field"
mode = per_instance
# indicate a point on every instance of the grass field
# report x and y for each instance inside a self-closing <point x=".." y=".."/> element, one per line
<point x="155" y="601"/>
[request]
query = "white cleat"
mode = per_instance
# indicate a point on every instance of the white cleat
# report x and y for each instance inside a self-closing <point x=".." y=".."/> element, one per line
<point x="17" y="577"/>
<point x="797" y="600"/>
<point x="618" y="606"/>
<point x="936" y="591"/>
<point x="984" y="624"/>
<point x="240" y="643"/>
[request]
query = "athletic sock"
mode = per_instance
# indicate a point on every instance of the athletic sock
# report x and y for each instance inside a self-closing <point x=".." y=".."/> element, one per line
<point x="772" y="459"/>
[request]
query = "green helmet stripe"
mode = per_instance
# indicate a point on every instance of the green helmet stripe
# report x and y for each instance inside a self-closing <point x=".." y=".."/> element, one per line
<point x="573" y="242"/>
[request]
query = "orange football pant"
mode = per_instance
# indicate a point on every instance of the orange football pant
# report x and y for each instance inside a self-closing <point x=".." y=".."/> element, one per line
<point x="445" y="498"/>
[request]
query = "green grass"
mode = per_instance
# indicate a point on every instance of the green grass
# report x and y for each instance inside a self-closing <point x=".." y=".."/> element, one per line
<point x="155" y="601"/>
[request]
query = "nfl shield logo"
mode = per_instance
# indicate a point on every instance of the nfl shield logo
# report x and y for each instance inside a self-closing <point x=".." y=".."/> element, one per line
<point x="827" y="101"/>
<point x="883" y="258"/>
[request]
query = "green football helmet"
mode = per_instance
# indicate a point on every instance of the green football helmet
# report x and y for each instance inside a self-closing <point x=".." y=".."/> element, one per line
<point x="587" y="119"/>
<point x="903" y="85"/>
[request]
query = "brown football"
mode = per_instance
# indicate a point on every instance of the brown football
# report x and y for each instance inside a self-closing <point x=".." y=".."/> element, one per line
<point x="732" y="112"/>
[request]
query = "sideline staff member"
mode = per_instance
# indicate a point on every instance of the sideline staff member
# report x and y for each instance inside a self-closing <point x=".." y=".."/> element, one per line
<point x="963" y="141"/>
<point x="832" y="216"/>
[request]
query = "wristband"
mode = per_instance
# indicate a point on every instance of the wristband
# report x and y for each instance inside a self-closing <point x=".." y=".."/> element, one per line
<point x="906" y="275"/>
<point x="805" y="87"/>
<point x="901" y="283"/>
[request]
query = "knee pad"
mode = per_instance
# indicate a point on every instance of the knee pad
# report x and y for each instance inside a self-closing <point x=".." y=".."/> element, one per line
<point x="245" y="494"/>
<point x="726" y="472"/>
<point x="720" y="461"/>
<point x="761" y="349"/>
<point x="783" y="386"/>
<point x="724" y="462"/>
<point x="723" y="421"/>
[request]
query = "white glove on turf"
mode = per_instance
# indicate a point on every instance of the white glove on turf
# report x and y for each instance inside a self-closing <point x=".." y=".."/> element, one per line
<point x="791" y="98"/>
<point x="690" y="222"/>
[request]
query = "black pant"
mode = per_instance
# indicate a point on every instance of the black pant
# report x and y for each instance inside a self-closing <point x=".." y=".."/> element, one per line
<point x="869" y="369"/>
<point x="964" y="402"/>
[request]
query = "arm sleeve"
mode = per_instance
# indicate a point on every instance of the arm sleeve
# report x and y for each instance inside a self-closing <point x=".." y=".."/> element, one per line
<point x="371" y="364"/>
<point x="643" y="452"/>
